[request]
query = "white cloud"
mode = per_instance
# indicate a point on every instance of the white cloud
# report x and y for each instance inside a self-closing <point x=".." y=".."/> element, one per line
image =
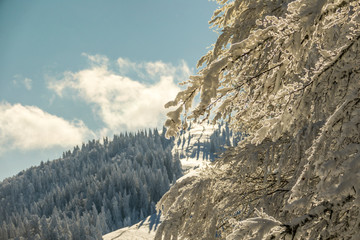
<point x="96" y="59"/>
<point x="153" y="71"/>
<point x="29" y="127"/>
<point x="19" y="79"/>
<point x="27" y="83"/>
<point x="126" y="66"/>
<point x="121" y="102"/>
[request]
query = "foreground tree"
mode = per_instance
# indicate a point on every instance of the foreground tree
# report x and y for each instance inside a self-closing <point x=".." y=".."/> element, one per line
<point x="287" y="73"/>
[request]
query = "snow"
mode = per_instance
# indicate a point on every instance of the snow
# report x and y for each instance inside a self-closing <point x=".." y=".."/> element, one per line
<point x="191" y="166"/>
<point x="286" y="73"/>
<point x="186" y="141"/>
<point x="141" y="231"/>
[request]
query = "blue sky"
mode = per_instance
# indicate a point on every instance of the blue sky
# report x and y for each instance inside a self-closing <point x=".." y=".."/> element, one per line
<point x="71" y="71"/>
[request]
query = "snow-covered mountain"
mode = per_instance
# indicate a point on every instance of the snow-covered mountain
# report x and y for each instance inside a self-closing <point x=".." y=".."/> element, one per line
<point x="286" y="71"/>
<point x="104" y="185"/>
<point x="91" y="190"/>
<point x="195" y="147"/>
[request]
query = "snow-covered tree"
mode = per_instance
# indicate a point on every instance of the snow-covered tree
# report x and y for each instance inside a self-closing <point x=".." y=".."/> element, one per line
<point x="286" y="72"/>
<point x="89" y="192"/>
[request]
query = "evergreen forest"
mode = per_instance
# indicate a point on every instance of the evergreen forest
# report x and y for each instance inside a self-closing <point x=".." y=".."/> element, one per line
<point x="91" y="190"/>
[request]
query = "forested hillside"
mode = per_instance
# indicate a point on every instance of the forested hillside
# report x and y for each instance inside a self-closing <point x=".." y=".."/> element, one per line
<point x="91" y="190"/>
<point x="286" y="72"/>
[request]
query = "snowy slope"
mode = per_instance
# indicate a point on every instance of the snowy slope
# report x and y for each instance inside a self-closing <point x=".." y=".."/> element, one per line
<point x="189" y="146"/>
<point x="192" y="160"/>
<point x="189" y="143"/>
<point x="193" y="147"/>
<point x="143" y="230"/>
<point x="202" y="143"/>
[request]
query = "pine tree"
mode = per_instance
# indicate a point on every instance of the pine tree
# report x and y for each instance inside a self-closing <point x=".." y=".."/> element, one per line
<point x="3" y="232"/>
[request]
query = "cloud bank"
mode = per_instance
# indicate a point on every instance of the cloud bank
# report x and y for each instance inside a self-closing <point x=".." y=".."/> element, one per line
<point x="121" y="102"/>
<point x="29" y="127"/>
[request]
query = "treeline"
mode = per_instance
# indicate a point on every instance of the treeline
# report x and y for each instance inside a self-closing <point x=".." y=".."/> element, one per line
<point x="91" y="190"/>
